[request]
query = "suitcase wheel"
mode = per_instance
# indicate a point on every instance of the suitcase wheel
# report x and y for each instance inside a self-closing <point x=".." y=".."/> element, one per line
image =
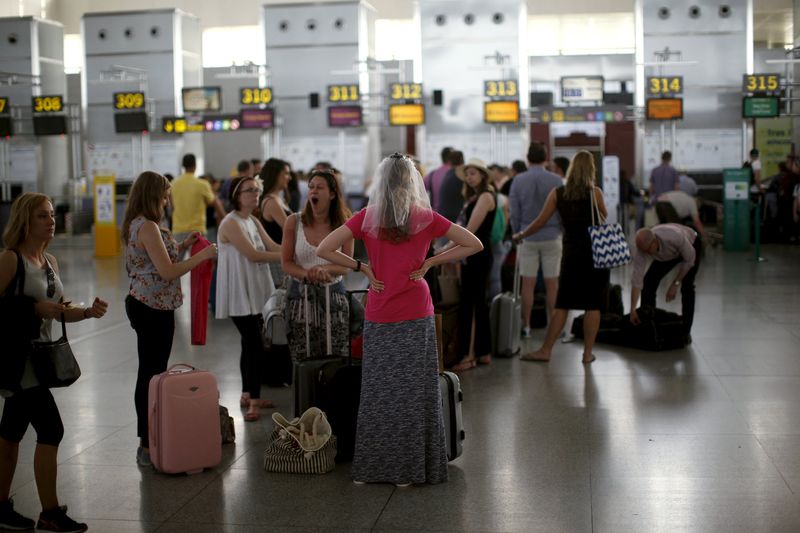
<point x="460" y="396"/>
<point x="462" y="435"/>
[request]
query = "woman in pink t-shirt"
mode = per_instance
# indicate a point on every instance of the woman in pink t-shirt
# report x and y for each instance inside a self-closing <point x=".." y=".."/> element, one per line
<point x="400" y="436"/>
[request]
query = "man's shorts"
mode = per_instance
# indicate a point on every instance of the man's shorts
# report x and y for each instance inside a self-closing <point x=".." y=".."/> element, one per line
<point x="532" y="252"/>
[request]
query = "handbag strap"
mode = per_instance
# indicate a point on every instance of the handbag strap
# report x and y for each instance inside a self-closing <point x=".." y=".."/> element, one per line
<point x="595" y="208"/>
<point x="18" y="283"/>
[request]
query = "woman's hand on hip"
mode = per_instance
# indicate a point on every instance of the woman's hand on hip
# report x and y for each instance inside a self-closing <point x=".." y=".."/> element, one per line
<point x="374" y="283"/>
<point x="418" y="275"/>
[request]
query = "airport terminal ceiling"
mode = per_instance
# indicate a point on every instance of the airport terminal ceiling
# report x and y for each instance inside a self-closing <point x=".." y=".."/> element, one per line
<point x="772" y="18"/>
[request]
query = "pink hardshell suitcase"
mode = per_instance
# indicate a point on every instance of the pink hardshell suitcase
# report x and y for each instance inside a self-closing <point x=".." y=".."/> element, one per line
<point x="184" y="420"/>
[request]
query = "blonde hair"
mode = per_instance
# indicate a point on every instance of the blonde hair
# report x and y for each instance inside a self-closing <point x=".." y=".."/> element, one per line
<point x="581" y="176"/>
<point x="19" y="221"/>
<point x="146" y="199"/>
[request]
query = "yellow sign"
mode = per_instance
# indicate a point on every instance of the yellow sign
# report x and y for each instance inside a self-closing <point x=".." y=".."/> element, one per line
<point x="501" y="112"/>
<point x="106" y="235"/>
<point x="406" y="91"/>
<point x="406" y="114"/>
<point x="180" y="125"/>
<point x="3" y="105"/>
<point x="48" y="104"/>
<point x="129" y="100"/>
<point x="762" y="83"/>
<point x="664" y="85"/>
<point x="343" y="93"/>
<point x="500" y="89"/>
<point x="664" y="108"/>
<point x="255" y="95"/>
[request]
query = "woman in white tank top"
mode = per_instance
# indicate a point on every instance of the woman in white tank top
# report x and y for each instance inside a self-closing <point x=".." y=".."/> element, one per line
<point x="244" y="284"/>
<point x="313" y="276"/>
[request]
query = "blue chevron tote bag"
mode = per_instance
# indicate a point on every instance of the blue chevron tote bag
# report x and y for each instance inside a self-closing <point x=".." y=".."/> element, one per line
<point x="609" y="247"/>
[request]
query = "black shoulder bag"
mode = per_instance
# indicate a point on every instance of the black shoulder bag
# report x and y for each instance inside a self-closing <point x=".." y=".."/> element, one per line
<point x="53" y="362"/>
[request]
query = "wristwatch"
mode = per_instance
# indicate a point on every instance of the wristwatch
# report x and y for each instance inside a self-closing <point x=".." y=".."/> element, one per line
<point x="676" y="283"/>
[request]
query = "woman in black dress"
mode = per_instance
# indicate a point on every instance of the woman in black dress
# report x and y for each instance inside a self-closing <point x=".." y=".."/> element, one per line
<point x="580" y="285"/>
<point x="479" y="211"/>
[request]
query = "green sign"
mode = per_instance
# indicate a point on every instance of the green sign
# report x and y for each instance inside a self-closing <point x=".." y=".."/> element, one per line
<point x="760" y="107"/>
<point x="736" y="198"/>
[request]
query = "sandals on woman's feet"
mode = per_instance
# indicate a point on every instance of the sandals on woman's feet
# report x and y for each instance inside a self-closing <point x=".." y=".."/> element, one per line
<point x="244" y="401"/>
<point x="252" y="416"/>
<point x="585" y="362"/>
<point x="464" y="364"/>
<point x="485" y="360"/>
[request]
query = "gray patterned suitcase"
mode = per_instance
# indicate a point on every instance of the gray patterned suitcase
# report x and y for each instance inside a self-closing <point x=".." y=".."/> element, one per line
<point x="451" y="413"/>
<point x="505" y="318"/>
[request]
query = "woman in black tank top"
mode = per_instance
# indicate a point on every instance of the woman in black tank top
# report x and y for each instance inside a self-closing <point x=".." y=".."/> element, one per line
<point x="275" y="175"/>
<point x="479" y="210"/>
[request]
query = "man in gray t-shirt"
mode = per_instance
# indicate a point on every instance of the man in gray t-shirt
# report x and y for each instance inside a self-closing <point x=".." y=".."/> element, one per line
<point x="663" y="178"/>
<point x="451" y="201"/>
<point x="528" y="193"/>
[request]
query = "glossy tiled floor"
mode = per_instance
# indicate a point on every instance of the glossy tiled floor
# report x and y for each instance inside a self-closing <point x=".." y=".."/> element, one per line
<point x="702" y="439"/>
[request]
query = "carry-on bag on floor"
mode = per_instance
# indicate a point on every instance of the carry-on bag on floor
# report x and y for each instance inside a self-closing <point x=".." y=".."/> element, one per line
<point x="505" y="318"/>
<point x="183" y="420"/>
<point x="660" y="330"/>
<point x="451" y="413"/>
<point x="339" y="394"/>
<point x="306" y="372"/>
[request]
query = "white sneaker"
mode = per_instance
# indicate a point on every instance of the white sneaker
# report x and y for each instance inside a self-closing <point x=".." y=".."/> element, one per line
<point x="526" y="332"/>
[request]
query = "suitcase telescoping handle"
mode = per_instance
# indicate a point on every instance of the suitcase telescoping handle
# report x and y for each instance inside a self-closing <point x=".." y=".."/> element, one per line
<point x="328" y="349"/>
<point x="517" y="280"/>
<point x="350" y="300"/>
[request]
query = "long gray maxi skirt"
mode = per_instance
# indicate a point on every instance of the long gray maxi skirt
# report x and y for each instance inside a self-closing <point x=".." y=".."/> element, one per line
<point x="400" y="436"/>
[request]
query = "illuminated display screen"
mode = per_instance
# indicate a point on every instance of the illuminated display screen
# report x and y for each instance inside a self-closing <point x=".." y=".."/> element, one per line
<point x="257" y="119"/>
<point x="255" y="95"/>
<point x="760" y="107"/>
<point x="500" y="89"/>
<point x="405" y="91"/>
<point x="664" y="86"/>
<point x="48" y="104"/>
<point x="200" y="99"/>
<point x="129" y="100"/>
<point x="181" y="125"/>
<point x="406" y="115"/>
<point x="501" y="112"/>
<point x="767" y="84"/>
<point x="346" y="116"/>
<point x="343" y="93"/>
<point x="582" y="89"/>
<point x="222" y="123"/>
<point x="664" y="108"/>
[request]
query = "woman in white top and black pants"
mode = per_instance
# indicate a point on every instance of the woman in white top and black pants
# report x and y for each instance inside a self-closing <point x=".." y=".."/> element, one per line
<point x="312" y="276"/>
<point x="244" y="284"/>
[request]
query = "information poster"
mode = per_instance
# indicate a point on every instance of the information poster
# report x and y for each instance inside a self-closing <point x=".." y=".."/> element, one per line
<point x="611" y="186"/>
<point x="106" y="236"/>
<point x="774" y="143"/>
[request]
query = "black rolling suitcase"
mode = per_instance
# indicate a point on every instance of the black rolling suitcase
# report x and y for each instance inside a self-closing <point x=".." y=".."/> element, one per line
<point x="339" y="393"/>
<point x="452" y="397"/>
<point x="306" y="372"/>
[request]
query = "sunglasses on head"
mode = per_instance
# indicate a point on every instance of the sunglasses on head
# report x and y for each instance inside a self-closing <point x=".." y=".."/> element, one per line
<point x="51" y="280"/>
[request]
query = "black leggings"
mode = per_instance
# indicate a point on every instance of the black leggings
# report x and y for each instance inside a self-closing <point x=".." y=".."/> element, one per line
<point x="474" y="280"/>
<point x="154" y="331"/>
<point x="252" y="358"/>
<point x="36" y="407"/>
